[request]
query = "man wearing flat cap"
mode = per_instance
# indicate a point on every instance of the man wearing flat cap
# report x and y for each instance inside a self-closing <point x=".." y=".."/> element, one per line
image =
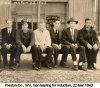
<point x="69" y="39"/>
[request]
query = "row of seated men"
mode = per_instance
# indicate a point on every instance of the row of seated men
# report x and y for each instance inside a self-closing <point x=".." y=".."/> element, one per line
<point x="52" y="42"/>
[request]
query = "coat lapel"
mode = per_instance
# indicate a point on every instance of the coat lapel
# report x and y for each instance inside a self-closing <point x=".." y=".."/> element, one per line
<point x="60" y="34"/>
<point x="69" y="33"/>
<point x="7" y="31"/>
<point x="53" y="33"/>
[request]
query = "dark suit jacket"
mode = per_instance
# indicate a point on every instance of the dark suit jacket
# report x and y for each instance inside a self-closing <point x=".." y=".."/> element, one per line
<point x="6" y="38"/>
<point x="85" y="37"/>
<point x="52" y="34"/>
<point x="67" y="38"/>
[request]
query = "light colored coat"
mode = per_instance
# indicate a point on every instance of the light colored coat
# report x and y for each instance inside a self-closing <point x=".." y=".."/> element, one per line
<point x="42" y="38"/>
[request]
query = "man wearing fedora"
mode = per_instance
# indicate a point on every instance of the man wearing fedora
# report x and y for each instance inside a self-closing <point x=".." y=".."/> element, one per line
<point x="70" y="40"/>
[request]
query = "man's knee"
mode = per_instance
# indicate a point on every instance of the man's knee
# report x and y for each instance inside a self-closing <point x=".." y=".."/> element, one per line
<point x="19" y="47"/>
<point x="55" y="49"/>
<point x="50" y="48"/>
<point x="82" y="47"/>
<point x="38" y="48"/>
<point x="14" y="47"/>
<point x="33" y="47"/>
<point x="66" y="48"/>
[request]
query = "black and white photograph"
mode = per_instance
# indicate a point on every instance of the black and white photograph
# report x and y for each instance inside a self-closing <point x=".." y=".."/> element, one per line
<point x="50" y="41"/>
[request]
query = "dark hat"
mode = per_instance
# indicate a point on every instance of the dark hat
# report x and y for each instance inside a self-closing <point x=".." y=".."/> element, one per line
<point x="72" y="20"/>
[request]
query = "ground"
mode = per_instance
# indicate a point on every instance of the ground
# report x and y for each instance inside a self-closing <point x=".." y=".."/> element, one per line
<point x="65" y="75"/>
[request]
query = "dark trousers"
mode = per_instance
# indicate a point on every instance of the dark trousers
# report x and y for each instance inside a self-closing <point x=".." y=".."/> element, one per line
<point x="73" y="51"/>
<point x="63" y="50"/>
<point x="91" y="55"/>
<point x="20" y="50"/>
<point x="4" y="52"/>
<point x="48" y="51"/>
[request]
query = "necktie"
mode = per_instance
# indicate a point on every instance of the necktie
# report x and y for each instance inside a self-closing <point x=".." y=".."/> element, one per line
<point x="56" y="31"/>
<point x="9" y="31"/>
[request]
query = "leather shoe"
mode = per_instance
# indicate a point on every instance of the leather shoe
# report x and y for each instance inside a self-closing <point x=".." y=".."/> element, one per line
<point x="63" y="64"/>
<point x="39" y="65"/>
<point x="12" y="68"/>
<point x="17" y="65"/>
<point x="55" y="65"/>
<point x="82" y="68"/>
<point x="48" y="66"/>
<point x="90" y="67"/>
<point x="35" y="67"/>
<point x="94" y="68"/>
<point x="75" y="68"/>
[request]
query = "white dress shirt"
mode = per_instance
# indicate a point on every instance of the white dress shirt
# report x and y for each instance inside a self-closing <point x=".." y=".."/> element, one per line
<point x="9" y="30"/>
<point x="72" y="33"/>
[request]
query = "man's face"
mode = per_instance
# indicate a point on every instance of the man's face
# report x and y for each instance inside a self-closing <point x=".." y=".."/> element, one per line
<point x="57" y="24"/>
<point x="72" y="25"/>
<point x="41" y="26"/>
<point x="25" y="27"/>
<point x="88" y="23"/>
<point x="9" y="23"/>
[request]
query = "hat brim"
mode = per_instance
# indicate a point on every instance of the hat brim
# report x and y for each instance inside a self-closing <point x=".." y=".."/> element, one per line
<point x="72" y="21"/>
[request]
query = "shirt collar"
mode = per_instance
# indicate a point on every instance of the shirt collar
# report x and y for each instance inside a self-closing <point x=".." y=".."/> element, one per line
<point x="42" y="31"/>
<point x="9" y="28"/>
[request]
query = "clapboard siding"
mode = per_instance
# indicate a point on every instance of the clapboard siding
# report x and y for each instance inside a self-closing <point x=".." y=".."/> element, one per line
<point x="79" y="9"/>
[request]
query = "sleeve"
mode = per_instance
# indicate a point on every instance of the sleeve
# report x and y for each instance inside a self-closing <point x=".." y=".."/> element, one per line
<point x="14" y="37"/>
<point x="48" y="39"/>
<point x="64" y="38"/>
<point x="32" y="38"/>
<point x="18" y="38"/>
<point x="36" y="40"/>
<point x="95" y="38"/>
<point x="3" y="39"/>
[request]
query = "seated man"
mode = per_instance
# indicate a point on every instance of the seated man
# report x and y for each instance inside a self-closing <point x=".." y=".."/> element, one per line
<point x="8" y="44"/>
<point x="89" y="39"/>
<point x="25" y="43"/>
<point x="43" y="43"/>
<point x="56" y="33"/>
<point x="70" y="40"/>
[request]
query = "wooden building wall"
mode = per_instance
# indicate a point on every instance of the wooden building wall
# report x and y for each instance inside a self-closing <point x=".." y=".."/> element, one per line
<point x="79" y="9"/>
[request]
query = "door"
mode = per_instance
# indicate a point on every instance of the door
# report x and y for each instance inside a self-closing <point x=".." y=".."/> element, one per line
<point x="58" y="9"/>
